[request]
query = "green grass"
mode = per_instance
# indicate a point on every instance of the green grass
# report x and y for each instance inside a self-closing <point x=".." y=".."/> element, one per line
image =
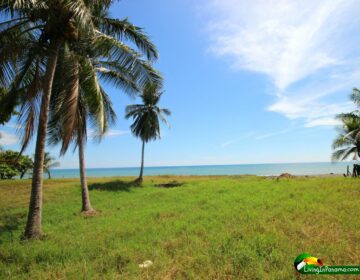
<point x="208" y="228"/>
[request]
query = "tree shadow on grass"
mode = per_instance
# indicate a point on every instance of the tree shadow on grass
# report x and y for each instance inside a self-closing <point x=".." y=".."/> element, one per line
<point x="10" y="223"/>
<point x="171" y="184"/>
<point x="114" y="186"/>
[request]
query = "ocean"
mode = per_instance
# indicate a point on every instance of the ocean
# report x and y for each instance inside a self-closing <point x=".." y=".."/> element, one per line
<point x="238" y="169"/>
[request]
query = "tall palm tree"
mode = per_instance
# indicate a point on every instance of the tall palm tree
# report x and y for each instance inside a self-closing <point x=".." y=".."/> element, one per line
<point x="31" y="68"/>
<point x="93" y="106"/>
<point x="30" y="41"/>
<point x="146" y="125"/>
<point x="79" y="98"/>
<point x="347" y="143"/>
<point x="49" y="162"/>
<point x="105" y="113"/>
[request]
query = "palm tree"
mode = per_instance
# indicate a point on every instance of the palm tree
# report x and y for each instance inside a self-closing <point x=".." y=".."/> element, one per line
<point x="49" y="162"/>
<point x="29" y="67"/>
<point x="29" y="50"/>
<point x="94" y="107"/>
<point x="347" y="143"/>
<point x="146" y="117"/>
<point x="89" y="103"/>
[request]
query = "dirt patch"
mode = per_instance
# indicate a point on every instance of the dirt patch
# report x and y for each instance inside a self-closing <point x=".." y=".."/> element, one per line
<point x="286" y="175"/>
<point x="89" y="214"/>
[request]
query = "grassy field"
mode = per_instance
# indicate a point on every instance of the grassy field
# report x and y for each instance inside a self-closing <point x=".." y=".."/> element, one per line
<point x="208" y="228"/>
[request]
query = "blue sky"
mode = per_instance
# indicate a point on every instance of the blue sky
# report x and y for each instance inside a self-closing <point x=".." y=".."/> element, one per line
<point x="246" y="81"/>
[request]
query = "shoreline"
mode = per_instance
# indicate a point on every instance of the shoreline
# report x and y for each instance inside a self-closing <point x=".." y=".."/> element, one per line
<point x="287" y="176"/>
<point x="298" y="169"/>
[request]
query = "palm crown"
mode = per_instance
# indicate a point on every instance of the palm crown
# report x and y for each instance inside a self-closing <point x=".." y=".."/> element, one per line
<point x="347" y="143"/>
<point x="49" y="163"/>
<point x="146" y="116"/>
<point x="89" y="38"/>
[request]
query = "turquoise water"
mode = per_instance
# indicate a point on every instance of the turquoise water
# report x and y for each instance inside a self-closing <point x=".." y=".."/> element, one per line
<point x="240" y="169"/>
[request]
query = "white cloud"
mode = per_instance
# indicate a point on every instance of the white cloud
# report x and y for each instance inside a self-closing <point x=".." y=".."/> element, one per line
<point x="313" y="113"/>
<point x="307" y="48"/>
<point x="7" y="138"/>
<point x="115" y="132"/>
<point x="323" y="121"/>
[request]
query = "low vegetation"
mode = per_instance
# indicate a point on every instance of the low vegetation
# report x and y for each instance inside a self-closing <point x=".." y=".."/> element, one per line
<point x="204" y="228"/>
<point x="14" y="164"/>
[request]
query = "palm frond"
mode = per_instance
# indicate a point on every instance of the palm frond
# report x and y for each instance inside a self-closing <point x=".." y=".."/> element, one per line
<point x="30" y="107"/>
<point x="65" y="103"/>
<point x="123" y="29"/>
<point x="343" y="154"/>
<point x="128" y="60"/>
<point x="119" y="80"/>
<point x="355" y="96"/>
<point x="81" y="13"/>
<point x="342" y="141"/>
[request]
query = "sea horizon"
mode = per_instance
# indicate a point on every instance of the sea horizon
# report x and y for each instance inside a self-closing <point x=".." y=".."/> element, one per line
<point x="260" y="169"/>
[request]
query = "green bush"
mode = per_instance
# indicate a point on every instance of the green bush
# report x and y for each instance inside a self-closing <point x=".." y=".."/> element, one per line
<point x="6" y="172"/>
<point x="14" y="162"/>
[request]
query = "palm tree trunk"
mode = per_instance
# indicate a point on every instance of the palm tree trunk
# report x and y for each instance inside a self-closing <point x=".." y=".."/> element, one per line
<point x="86" y="204"/>
<point x="33" y="225"/>
<point x="140" y="179"/>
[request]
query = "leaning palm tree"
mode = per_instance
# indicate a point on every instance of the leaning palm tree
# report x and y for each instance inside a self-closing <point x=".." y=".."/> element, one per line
<point x="30" y="41"/>
<point x="347" y="143"/>
<point x="146" y="117"/>
<point x="49" y="163"/>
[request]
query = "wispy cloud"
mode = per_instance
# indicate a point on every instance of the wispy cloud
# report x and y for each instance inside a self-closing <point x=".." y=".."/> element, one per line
<point x="257" y="136"/>
<point x="238" y="139"/>
<point x="272" y="134"/>
<point x="307" y="48"/>
<point x="111" y="133"/>
<point x="7" y="138"/>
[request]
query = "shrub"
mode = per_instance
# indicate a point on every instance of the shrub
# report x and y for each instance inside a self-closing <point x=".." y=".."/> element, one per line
<point x="6" y="172"/>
